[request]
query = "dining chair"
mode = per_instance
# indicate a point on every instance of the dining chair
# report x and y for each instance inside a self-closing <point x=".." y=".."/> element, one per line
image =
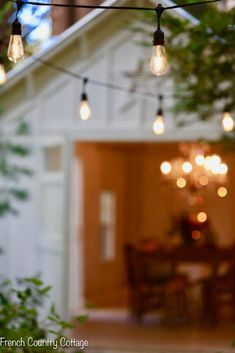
<point x="154" y="286"/>
<point x="223" y="294"/>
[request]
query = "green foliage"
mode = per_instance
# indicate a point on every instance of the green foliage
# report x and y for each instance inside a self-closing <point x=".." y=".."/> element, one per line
<point x="202" y="61"/>
<point x="12" y="169"/>
<point x="20" y="317"/>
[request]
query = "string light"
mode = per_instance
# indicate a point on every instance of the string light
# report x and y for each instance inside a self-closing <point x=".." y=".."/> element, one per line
<point x="3" y="75"/>
<point x="85" y="109"/>
<point x="227" y="121"/>
<point x="158" y="62"/>
<point x="15" y="51"/>
<point x="159" y="125"/>
<point x="106" y="7"/>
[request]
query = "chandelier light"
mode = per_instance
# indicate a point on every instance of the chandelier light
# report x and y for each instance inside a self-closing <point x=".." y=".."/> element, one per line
<point x="85" y="109"/>
<point x="159" y="62"/>
<point x="159" y="124"/>
<point x="196" y="171"/>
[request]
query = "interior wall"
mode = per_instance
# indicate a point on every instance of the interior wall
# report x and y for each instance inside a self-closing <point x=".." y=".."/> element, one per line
<point x="144" y="205"/>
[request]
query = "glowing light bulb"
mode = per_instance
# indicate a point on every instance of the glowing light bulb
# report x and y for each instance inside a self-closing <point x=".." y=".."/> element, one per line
<point x="216" y="160"/>
<point x="85" y="110"/>
<point x="15" y="51"/>
<point x="227" y="121"/>
<point x="196" y="234"/>
<point x="181" y="183"/>
<point x="159" y="62"/>
<point x="223" y="169"/>
<point x="222" y="192"/>
<point x="3" y="75"/>
<point x="199" y="160"/>
<point x="202" y="217"/>
<point x="166" y="168"/>
<point x="208" y="163"/>
<point x="159" y="125"/>
<point x="187" y="167"/>
<point x="215" y="164"/>
<point x="203" y="180"/>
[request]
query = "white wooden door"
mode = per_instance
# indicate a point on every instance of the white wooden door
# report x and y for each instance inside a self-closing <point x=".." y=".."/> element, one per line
<point x="53" y="215"/>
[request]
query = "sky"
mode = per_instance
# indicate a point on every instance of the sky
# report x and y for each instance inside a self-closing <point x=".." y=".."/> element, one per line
<point x="36" y="21"/>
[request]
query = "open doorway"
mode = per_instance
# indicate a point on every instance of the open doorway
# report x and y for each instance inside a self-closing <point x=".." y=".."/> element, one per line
<point x="126" y="201"/>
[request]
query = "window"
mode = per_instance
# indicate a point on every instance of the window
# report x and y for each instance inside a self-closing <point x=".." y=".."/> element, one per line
<point x="53" y="159"/>
<point x="107" y="225"/>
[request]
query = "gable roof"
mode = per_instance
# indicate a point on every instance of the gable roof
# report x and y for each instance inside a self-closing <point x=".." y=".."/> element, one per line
<point x="67" y="37"/>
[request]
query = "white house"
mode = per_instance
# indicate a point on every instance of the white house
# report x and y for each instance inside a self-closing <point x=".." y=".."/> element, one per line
<point x="57" y="231"/>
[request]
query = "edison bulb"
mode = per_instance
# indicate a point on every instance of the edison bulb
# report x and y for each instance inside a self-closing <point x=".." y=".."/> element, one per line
<point x="227" y="122"/>
<point x="158" y="125"/>
<point x="15" y="51"/>
<point x="159" y="62"/>
<point x="3" y="75"/>
<point x="85" y="110"/>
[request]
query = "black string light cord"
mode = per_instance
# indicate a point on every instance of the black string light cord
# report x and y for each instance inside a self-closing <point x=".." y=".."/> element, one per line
<point x="100" y="83"/>
<point x="104" y="7"/>
<point x="90" y="80"/>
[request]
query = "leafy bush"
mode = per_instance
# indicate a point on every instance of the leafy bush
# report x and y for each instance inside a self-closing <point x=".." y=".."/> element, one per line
<point x="20" y="317"/>
<point x="202" y="57"/>
<point x="12" y="169"/>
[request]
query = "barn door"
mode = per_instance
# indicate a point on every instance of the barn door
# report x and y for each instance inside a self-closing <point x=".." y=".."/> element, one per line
<point x="53" y="218"/>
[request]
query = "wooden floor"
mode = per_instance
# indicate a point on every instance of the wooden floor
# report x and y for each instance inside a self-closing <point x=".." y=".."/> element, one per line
<point x="113" y="331"/>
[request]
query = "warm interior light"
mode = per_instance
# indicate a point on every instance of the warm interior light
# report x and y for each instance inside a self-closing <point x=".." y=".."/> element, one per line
<point x="3" y="75"/>
<point x="227" y="121"/>
<point x="187" y="167"/>
<point x="222" y="192"/>
<point x="202" y="217"/>
<point x="203" y="180"/>
<point x="216" y="160"/>
<point x="196" y="234"/>
<point x="158" y="125"/>
<point x="199" y="160"/>
<point x="181" y="183"/>
<point x="85" y="110"/>
<point x="196" y="171"/>
<point x="15" y="51"/>
<point x="159" y="62"/>
<point x="166" y="168"/>
<point x="207" y="163"/>
<point x="223" y="169"/>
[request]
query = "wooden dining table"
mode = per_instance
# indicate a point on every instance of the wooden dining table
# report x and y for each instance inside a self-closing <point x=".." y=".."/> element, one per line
<point x="213" y="257"/>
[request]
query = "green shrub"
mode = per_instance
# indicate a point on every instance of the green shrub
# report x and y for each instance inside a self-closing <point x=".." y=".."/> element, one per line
<point x="21" y="317"/>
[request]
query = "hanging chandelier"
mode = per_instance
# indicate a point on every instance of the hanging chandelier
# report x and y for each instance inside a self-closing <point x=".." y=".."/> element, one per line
<point x="196" y="170"/>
